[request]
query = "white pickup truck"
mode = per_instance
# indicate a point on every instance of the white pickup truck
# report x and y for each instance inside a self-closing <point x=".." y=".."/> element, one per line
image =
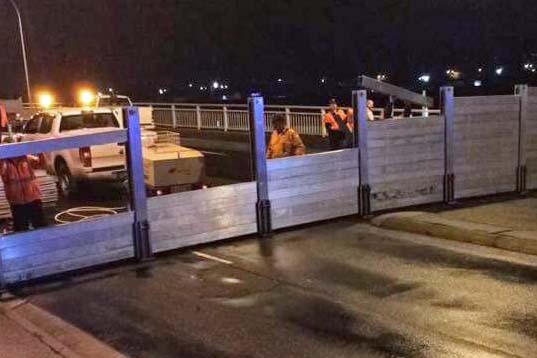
<point x="103" y="162"/>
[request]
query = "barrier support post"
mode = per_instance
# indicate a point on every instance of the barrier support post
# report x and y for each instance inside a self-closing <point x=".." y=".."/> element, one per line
<point x="447" y="107"/>
<point x="288" y="117"/>
<point x="359" y="106"/>
<point x="256" y="116"/>
<point x="522" y="171"/>
<point x="198" y="117"/>
<point x="142" y="242"/>
<point x="174" y="117"/>
<point x="324" y="134"/>
<point x="226" y="119"/>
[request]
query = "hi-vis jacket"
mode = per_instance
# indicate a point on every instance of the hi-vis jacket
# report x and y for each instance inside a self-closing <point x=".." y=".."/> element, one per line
<point x="19" y="181"/>
<point x="285" y="144"/>
<point x="3" y="117"/>
<point x="332" y="122"/>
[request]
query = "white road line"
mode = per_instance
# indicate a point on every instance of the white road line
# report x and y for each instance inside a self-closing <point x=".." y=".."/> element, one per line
<point x="210" y="257"/>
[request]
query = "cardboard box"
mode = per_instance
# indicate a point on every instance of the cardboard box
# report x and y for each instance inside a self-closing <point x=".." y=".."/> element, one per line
<point x="170" y="164"/>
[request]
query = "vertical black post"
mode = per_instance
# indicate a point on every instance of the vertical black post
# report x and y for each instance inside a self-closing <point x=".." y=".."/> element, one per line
<point x="522" y="171"/>
<point x="256" y="116"/>
<point x="135" y="167"/>
<point x="447" y="106"/>
<point x="359" y="106"/>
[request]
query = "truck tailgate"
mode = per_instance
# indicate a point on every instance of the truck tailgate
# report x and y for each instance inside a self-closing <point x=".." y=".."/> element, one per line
<point x="108" y="156"/>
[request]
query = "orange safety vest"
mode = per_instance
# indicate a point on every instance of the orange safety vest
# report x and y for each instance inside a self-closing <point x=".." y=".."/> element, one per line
<point x="19" y="181"/>
<point x="332" y="122"/>
<point x="3" y="117"/>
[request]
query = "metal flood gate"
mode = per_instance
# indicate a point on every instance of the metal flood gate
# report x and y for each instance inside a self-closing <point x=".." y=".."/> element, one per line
<point x="29" y="255"/>
<point x="476" y="146"/>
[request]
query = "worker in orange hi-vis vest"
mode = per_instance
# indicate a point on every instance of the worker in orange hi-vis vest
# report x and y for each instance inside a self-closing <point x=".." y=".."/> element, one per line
<point x="338" y="127"/>
<point x="3" y="121"/>
<point x="22" y="191"/>
<point x="284" y="142"/>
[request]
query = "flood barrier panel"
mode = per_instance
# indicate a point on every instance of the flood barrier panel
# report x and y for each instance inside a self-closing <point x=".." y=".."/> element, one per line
<point x="49" y="251"/>
<point x="406" y="162"/>
<point x="313" y="187"/>
<point x="485" y="145"/>
<point x="202" y="216"/>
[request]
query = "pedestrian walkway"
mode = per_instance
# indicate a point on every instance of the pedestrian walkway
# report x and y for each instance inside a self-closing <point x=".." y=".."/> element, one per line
<point x="509" y="225"/>
<point x="27" y="331"/>
<point x="17" y="342"/>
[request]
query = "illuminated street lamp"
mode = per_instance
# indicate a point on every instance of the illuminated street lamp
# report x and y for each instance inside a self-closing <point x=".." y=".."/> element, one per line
<point x="23" y="46"/>
<point x="424" y="78"/>
<point x="499" y="70"/>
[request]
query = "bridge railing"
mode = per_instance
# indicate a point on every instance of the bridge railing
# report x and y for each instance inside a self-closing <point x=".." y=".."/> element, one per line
<point x="305" y="119"/>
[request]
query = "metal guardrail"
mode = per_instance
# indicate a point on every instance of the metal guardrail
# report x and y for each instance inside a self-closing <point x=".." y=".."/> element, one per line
<point x="305" y="119"/>
<point x="234" y="117"/>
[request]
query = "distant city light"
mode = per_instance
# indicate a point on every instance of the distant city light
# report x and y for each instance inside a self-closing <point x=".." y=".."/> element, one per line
<point x="110" y="89"/>
<point x="216" y="84"/>
<point x="529" y="67"/>
<point x="480" y="70"/>
<point x="499" y="70"/>
<point x="424" y="78"/>
<point x="162" y="91"/>
<point x="190" y="85"/>
<point x="381" y="77"/>
<point x="224" y="98"/>
<point x="45" y="99"/>
<point x="280" y="80"/>
<point x="453" y="74"/>
<point x="477" y="83"/>
<point x="323" y="80"/>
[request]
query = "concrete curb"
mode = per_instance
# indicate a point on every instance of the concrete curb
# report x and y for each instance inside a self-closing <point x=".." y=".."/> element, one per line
<point x="59" y="336"/>
<point x="457" y="230"/>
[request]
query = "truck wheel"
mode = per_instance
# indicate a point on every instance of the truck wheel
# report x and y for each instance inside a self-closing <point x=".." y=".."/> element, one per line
<point x="66" y="183"/>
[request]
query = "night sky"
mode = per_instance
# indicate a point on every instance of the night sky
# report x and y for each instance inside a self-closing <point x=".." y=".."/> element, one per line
<point x="138" y="46"/>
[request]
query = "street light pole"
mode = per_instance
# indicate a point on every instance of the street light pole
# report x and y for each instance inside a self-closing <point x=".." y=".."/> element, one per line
<point x="23" y="46"/>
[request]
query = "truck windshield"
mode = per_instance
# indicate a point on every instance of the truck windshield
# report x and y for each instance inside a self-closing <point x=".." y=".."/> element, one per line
<point x="87" y="121"/>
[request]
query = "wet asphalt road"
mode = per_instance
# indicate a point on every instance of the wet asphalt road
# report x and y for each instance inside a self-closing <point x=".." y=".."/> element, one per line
<point x="342" y="289"/>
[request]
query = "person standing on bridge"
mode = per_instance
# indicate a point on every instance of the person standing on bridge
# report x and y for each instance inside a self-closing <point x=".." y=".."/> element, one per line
<point x="22" y="191"/>
<point x="370" y="108"/>
<point x="338" y="126"/>
<point x="3" y="121"/>
<point x="284" y="142"/>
